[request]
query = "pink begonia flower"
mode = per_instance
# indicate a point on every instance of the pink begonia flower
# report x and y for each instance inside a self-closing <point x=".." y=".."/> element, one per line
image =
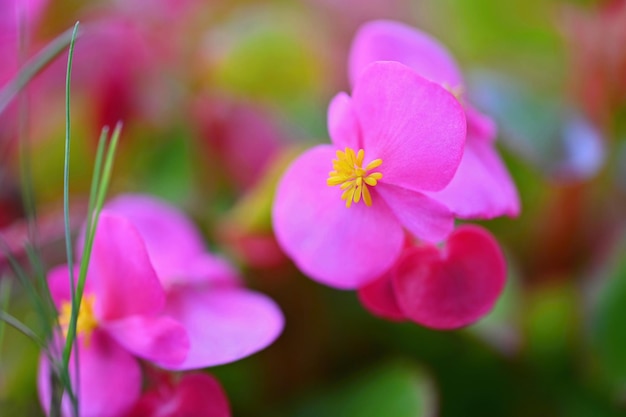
<point x="224" y="320"/>
<point x="120" y="316"/>
<point x="482" y="187"/>
<point x="341" y="210"/>
<point x="442" y="288"/>
<point x="195" y="394"/>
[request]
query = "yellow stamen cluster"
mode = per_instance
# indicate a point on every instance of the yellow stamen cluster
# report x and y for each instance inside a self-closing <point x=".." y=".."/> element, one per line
<point x="86" y="322"/>
<point x="348" y="173"/>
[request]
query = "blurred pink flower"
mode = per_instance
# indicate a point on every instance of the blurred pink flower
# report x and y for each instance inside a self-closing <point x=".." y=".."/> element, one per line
<point x="242" y="138"/>
<point x="224" y="320"/>
<point x="398" y="137"/>
<point x="482" y="187"/>
<point x="442" y="288"/>
<point x="195" y="394"/>
<point x="120" y="316"/>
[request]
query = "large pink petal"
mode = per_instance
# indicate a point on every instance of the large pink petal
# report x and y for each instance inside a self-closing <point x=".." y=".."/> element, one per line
<point x="224" y="325"/>
<point x="482" y="187"/>
<point x="338" y="246"/>
<point x="172" y="240"/>
<point x="384" y="40"/>
<point x="421" y="215"/>
<point x="110" y="379"/>
<point x="453" y="287"/>
<point x="161" y="340"/>
<point x="379" y="298"/>
<point x="120" y="273"/>
<point x="343" y="125"/>
<point x="415" y="126"/>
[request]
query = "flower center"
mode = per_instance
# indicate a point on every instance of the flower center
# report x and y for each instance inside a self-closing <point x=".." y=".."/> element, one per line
<point x="348" y="173"/>
<point x="86" y="322"/>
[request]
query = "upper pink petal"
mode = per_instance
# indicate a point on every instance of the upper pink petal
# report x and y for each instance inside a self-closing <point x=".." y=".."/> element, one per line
<point x="110" y="379"/>
<point x="120" y="273"/>
<point x="343" y="125"/>
<point x="415" y="126"/>
<point x="379" y="298"/>
<point x="384" y="40"/>
<point x="59" y="284"/>
<point x="172" y="240"/>
<point x="224" y="325"/>
<point x="161" y="340"/>
<point x="421" y="215"/>
<point x="453" y="287"/>
<point x="338" y="246"/>
<point x="482" y="187"/>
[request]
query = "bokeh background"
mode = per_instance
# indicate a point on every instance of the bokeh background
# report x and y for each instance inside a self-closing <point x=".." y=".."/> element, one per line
<point x="216" y="96"/>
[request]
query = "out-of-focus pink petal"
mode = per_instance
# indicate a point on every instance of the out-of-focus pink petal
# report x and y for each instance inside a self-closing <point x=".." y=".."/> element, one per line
<point x="421" y="215"/>
<point x="452" y="287"/>
<point x="482" y="187"/>
<point x="59" y="284"/>
<point x="415" y="126"/>
<point x="196" y="394"/>
<point x="120" y="273"/>
<point x="174" y="245"/>
<point x="380" y="299"/>
<point x="479" y="126"/>
<point x="110" y="379"/>
<point x="343" y="125"/>
<point x="161" y="340"/>
<point x="335" y="245"/>
<point x="224" y="325"/>
<point x="383" y="40"/>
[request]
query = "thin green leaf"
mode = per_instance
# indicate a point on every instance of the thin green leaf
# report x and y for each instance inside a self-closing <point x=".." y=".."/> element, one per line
<point x="5" y="294"/>
<point x="66" y="205"/>
<point x="21" y="327"/>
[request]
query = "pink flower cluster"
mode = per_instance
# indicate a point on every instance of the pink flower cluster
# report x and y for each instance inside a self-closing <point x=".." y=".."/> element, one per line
<point x="408" y="156"/>
<point x="154" y="293"/>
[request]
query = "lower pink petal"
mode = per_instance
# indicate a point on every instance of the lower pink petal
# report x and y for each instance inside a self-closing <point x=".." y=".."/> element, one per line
<point x="335" y="245"/>
<point x="196" y="394"/>
<point x="421" y="215"/>
<point x="482" y="187"/>
<point x="452" y="287"/>
<point x="110" y="379"/>
<point x="379" y="298"/>
<point x="224" y="325"/>
<point x="161" y="340"/>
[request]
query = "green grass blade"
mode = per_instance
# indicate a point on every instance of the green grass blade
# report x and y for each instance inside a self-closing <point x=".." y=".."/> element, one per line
<point x="5" y="294"/>
<point x="21" y="327"/>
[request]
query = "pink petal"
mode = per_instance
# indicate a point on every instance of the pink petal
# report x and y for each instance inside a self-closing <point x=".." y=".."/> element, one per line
<point x="224" y="325"/>
<point x="452" y="287"/>
<point x="415" y="126"/>
<point x="480" y="126"/>
<point x="421" y="215"/>
<point x="379" y="298"/>
<point x="343" y="125"/>
<point x="384" y="40"/>
<point x="110" y="379"/>
<point x="59" y="284"/>
<point x="482" y="187"/>
<point x="120" y="272"/>
<point x="161" y="340"/>
<point x="338" y="246"/>
<point x="196" y="394"/>
<point x="172" y="240"/>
